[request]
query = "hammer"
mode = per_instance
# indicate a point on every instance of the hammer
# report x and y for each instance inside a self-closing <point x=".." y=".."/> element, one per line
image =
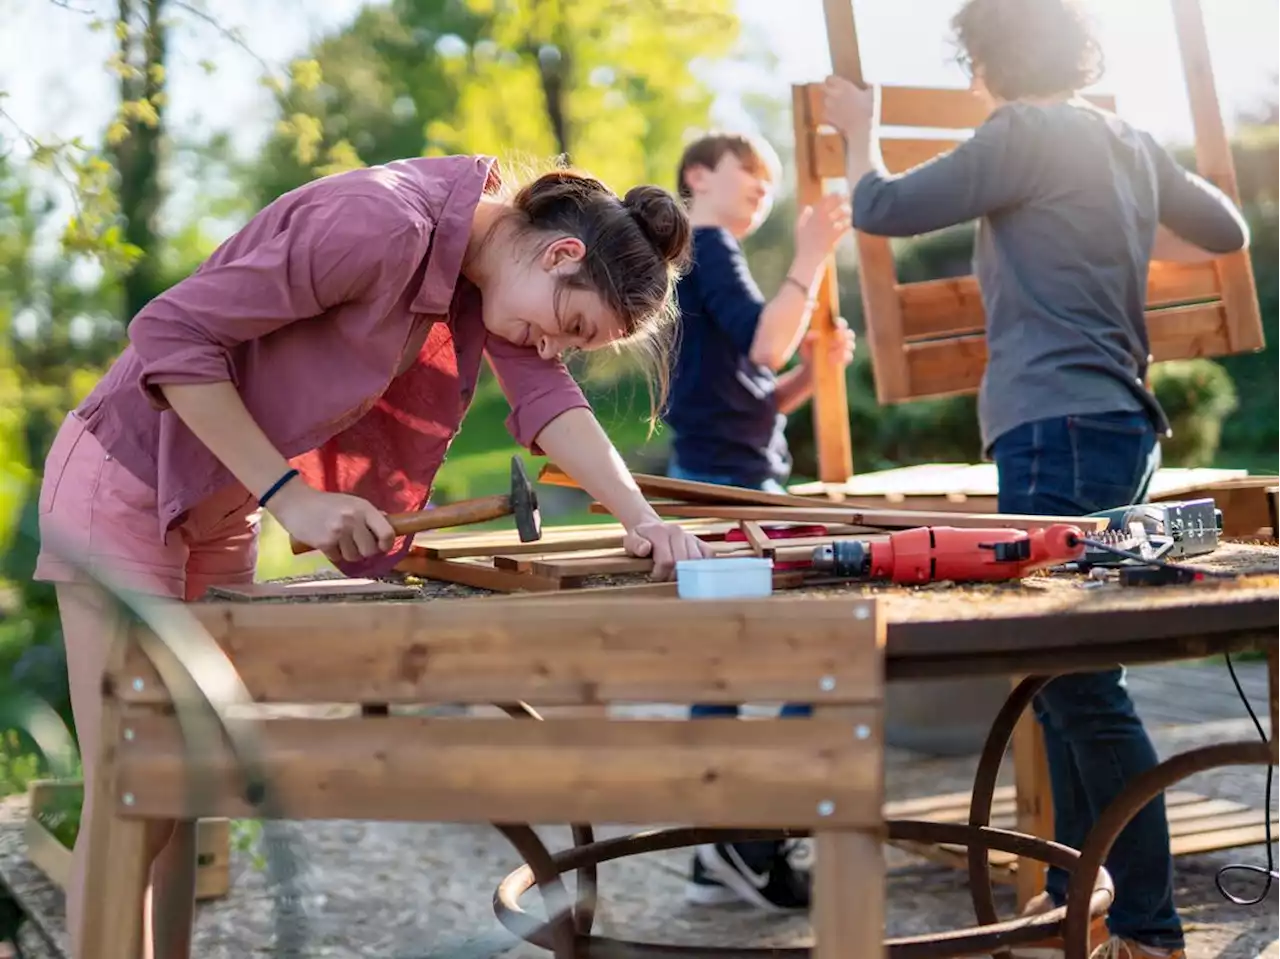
<point x="521" y="502"/>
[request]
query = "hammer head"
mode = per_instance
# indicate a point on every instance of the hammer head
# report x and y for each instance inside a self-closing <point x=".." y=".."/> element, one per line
<point x="524" y="504"/>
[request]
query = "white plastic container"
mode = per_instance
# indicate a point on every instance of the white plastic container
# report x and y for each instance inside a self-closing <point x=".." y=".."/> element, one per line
<point x="737" y="577"/>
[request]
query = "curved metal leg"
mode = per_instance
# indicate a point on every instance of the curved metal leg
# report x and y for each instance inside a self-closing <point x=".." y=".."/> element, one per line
<point x="1128" y="804"/>
<point x="587" y="882"/>
<point x="557" y="934"/>
<point x="984" y="787"/>
<point x="962" y="942"/>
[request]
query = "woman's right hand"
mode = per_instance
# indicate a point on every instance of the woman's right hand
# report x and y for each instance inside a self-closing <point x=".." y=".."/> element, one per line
<point x="342" y="527"/>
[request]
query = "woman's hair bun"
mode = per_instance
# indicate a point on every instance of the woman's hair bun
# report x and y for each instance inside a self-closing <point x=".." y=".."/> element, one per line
<point x="663" y="220"/>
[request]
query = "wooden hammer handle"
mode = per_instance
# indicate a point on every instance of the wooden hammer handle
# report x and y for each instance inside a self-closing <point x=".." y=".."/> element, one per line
<point x="457" y="514"/>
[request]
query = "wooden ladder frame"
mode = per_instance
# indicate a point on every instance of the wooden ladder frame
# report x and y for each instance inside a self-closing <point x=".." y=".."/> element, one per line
<point x="927" y="338"/>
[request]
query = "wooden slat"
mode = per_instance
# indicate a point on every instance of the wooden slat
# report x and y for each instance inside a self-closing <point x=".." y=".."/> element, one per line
<point x="830" y="406"/>
<point x="940" y="108"/>
<point x="688" y="491"/>
<point x="1214" y="163"/>
<point x="407" y="768"/>
<point x="458" y="651"/>
<point x="883" y="519"/>
<point x="1187" y="332"/>
<point x="949" y="367"/>
<point x="900" y="154"/>
<point x="477" y="575"/>
<point x="953" y="306"/>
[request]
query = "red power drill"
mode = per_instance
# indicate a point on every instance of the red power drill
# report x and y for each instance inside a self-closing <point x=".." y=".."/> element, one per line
<point x="934" y="553"/>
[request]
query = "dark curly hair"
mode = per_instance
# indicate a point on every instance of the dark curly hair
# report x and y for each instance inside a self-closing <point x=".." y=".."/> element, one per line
<point x="1028" y="48"/>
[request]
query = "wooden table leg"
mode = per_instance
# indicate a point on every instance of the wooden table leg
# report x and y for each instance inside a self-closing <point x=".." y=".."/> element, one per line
<point x="848" y="889"/>
<point x="1034" y="799"/>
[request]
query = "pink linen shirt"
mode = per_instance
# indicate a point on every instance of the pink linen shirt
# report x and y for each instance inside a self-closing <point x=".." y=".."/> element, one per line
<point x="308" y="310"/>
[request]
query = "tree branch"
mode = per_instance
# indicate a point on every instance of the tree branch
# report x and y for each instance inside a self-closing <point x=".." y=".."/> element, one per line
<point x="226" y="32"/>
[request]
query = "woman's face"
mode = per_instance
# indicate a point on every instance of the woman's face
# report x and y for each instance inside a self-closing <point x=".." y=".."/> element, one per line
<point x="526" y="305"/>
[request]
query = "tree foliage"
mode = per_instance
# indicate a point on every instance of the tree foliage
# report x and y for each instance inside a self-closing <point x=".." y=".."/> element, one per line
<point x="611" y="85"/>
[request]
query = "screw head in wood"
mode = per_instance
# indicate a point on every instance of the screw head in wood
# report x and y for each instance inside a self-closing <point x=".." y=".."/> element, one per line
<point x="137" y="685"/>
<point x="826" y="808"/>
<point x="861" y="613"/>
<point x="128" y="735"/>
<point x="827" y="683"/>
<point x="861" y="731"/>
<point x="127" y="799"/>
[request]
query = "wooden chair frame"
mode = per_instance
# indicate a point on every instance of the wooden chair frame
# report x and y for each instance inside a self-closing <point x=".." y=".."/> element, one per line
<point x="926" y="339"/>
<point x="823" y="773"/>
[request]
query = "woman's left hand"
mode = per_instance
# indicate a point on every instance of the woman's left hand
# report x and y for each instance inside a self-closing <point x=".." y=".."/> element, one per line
<point x="667" y="544"/>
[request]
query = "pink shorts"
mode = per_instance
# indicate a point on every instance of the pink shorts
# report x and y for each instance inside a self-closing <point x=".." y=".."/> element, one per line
<point x="95" y="510"/>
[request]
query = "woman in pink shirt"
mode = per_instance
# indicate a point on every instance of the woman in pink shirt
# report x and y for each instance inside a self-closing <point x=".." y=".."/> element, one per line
<point x="318" y="366"/>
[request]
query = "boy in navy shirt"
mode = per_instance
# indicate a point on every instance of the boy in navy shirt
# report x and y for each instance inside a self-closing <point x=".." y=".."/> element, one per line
<point x="1073" y="204"/>
<point x="728" y="404"/>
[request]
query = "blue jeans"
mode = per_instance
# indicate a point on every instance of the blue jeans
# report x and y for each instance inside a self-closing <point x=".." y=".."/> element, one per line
<point x="1094" y="740"/>
<point x="675" y="471"/>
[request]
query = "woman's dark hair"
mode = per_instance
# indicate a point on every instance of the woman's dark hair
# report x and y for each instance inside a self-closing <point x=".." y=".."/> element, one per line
<point x="636" y="248"/>
<point x="1028" y="48"/>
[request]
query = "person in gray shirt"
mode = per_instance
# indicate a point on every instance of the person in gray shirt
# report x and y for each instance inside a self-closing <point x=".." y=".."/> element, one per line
<point x="1072" y="205"/>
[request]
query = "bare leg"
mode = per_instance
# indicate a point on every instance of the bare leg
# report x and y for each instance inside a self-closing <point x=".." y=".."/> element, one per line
<point x="90" y="624"/>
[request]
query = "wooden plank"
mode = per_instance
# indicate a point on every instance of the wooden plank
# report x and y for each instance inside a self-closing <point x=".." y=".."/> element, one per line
<point x="1221" y="839"/>
<point x="941" y="108"/>
<point x="953" y="306"/>
<point x="683" y="490"/>
<point x="882" y="519"/>
<point x="495" y="550"/>
<point x="467" y="573"/>
<point x="761" y="545"/>
<point x="830" y="400"/>
<point x="1214" y="163"/>
<point x="1033" y="809"/>
<point x="460" y="651"/>
<point x="900" y="154"/>
<point x="328" y="588"/>
<point x="952" y="366"/>
<point x="409" y="768"/>
<point x="450" y="545"/>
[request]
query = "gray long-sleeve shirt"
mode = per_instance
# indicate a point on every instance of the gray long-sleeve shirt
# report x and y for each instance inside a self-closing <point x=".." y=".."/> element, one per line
<point x="1068" y="199"/>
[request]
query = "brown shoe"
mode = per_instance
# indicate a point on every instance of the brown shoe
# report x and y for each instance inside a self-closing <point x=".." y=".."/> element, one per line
<point x="1118" y="948"/>
<point x="1055" y="947"/>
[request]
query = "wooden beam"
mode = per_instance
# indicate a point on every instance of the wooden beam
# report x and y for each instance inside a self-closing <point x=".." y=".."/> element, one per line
<point x="830" y="393"/>
<point x="930" y="108"/>
<point x="685" y="490"/>
<point x="411" y="768"/>
<point x="954" y="365"/>
<point x="882" y="519"/>
<point x="953" y="306"/>
<point x="477" y="575"/>
<point x="1214" y="162"/>
<point x="581" y="653"/>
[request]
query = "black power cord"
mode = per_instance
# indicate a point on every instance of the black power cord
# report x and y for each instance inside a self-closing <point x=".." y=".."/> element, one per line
<point x="1270" y="871"/>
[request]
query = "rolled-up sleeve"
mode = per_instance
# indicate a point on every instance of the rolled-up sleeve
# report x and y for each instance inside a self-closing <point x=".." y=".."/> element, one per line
<point x="333" y="252"/>
<point x="538" y="390"/>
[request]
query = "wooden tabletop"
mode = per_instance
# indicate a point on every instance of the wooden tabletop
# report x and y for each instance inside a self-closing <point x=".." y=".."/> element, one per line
<point x="1044" y="623"/>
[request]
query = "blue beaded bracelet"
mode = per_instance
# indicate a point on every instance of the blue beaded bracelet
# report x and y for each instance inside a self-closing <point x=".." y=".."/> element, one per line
<point x="275" y="488"/>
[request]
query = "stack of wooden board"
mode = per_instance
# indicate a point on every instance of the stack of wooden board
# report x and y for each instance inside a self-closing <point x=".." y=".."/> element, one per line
<point x="732" y="520"/>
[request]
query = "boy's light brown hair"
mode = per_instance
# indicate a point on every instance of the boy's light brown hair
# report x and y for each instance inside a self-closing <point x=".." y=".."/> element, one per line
<point x="708" y="151"/>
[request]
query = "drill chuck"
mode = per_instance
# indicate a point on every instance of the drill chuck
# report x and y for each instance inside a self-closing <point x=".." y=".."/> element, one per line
<point x="846" y="557"/>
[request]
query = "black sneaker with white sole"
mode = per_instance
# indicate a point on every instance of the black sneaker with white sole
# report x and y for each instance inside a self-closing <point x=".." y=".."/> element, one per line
<point x="759" y="873"/>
